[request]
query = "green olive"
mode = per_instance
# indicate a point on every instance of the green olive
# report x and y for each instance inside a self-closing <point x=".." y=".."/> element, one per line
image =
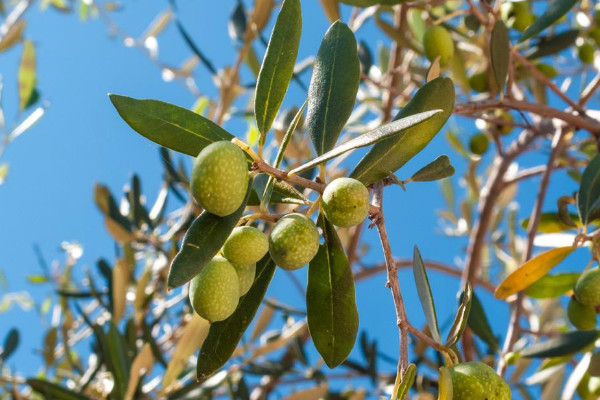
<point x="581" y="316"/>
<point x="294" y="241"/>
<point x="346" y="202"/>
<point x="477" y="381"/>
<point x="437" y="42"/>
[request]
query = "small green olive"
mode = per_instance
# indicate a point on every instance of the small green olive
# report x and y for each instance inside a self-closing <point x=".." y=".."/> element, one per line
<point x="479" y="143"/>
<point x="294" y="241"/>
<point x="245" y="245"/>
<point x="477" y="381"/>
<point x="246" y="274"/>
<point x="346" y="202"/>
<point x="586" y="52"/>
<point x="479" y="82"/>
<point x="581" y="316"/>
<point x="587" y="288"/>
<point x="437" y="42"/>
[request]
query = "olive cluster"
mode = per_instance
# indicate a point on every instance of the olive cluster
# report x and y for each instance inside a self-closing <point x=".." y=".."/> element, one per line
<point x="586" y="299"/>
<point x="219" y="182"/>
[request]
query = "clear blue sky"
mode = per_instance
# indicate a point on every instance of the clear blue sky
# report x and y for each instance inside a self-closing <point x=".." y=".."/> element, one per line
<point x="81" y="140"/>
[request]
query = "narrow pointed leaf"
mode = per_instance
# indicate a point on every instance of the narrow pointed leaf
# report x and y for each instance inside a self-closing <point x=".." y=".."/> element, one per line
<point x="439" y="168"/>
<point x="333" y="86"/>
<point x="425" y="296"/>
<point x="531" y="271"/>
<point x="479" y="324"/>
<point x="203" y="240"/>
<point x="445" y="384"/>
<point x="407" y="381"/>
<point x="224" y="336"/>
<point x="118" y="360"/>
<point x="27" y="75"/>
<point x="462" y="316"/>
<point x="331" y="299"/>
<point x="588" y="196"/>
<point x="390" y="154"/>
<point x="278" y="65"/>
<point x="331" y="9"/>
<point x="554" y="44"/>
<point x="11" y="342"/>
<point x="376" y="135"/>
<point x="369" y="3"/>
<point x="500" y="53"/>
<point x="52" y="391"/>
<point x="562" y="345"/>
<point x="168" y="125"/>
<point x="553" y="13"/>
<point x="552" y="222"/>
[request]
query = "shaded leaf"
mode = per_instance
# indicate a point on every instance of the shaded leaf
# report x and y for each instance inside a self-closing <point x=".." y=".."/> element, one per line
<point x="531" y="271"/>
<point x="278" y="65"/>
<point x="11" y="342"/>
<point x="376" y="135"/>
<point x="462" y="316"/>
<point x="168" y="125"/>
<point x="439" y="168"/>
<point x="52" y="391"/>
<point x="390" y="154"/>
<point x="562" y="345"/>
<point x="333" y="87"/>
<point x="500" y="53"/>
<point x="552" y="286"/>
<point x="554" y="44"/>
<point x="588" y="197"/>
<point x="425" y="296"/>
<point x="553" y="13"/>
<point x="331" y="299"/>
<point x="237" y="22"/>
<point x="479" y="324"/>
<point x="202" y="241"/>
<point x="117" y="360"/>
<point x="27" y="74"/>
<point x="50" y="340"/>
<point x="224" y="336"/>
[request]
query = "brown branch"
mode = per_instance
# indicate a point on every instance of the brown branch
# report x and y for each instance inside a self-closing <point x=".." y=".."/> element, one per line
<point x="589" y="90"/>
<point x="392" y="276"/>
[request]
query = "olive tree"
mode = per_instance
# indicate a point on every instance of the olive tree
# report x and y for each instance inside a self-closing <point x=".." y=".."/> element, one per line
<point x="181" y="311"/>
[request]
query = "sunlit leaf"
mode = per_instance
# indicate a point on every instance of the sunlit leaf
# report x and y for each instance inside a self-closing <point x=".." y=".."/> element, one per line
<point x="551" y="222"/>
<point x="531" y="271"/>
<point x="425" y="295"/>
<point x="331" y="9"/>
<point x="27" y="74"/>
<point x="141" y="365"/>
<point x="552" y="286"/>
<point x="331" y="299"/>
<point x="439" y="168"/>
<point x="120" y="279"/>
<point x="445" y="384"/>
<point x="553" y="13"/>
<point x="406" y="382"/>
<point x="462" y="315"/>
<point x="13" y="35"/>
<point x="333" y="87"/>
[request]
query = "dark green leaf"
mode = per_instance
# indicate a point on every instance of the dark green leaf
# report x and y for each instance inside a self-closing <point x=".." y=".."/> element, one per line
<point x="108" y="206"/>
<point x="479" y="324"/>
<point x="333" y="86"/>
<point x="365" y="56"/>
<point x="562" y="345"/>
<point x="554" y="44"/>
<point x="425" y="296"/>
<point x="376" y="135"/>
<point x="278" y="65"/>
<point x="500" y="53"/>
<point x="552" y="286"/>
<point x="52" y="391"/>
<point x="390" y="154"/>
<point x="168" y="125"/>
<point x="439" y="168"/>
<point x="462" y="315"/>
<point x="553" y="13"/>
<point x="237" y="22"/>
<point x="331" y="299"/>
<point x="117" y="360"/>
<point x="11" y="342"/>
<point x="588" y="197"/>
<point x="203" y="240"/>
<point x="224" y="336"/>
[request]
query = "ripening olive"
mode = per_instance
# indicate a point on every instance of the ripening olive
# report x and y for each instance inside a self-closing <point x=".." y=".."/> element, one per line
<point x="587" y="288"/>
<point x="437" y="42"/>
<point x="479" y="143"/>
<point x="585" y="51"/>
<point x="246" y="274"/>
<point x="581" y="316"/>
<point x="245" y="245"/>
<point x="477" y="381"/>
<point x="346" y="202"/>
<point x="294" y="241"/>
<point x="479" y="82"/>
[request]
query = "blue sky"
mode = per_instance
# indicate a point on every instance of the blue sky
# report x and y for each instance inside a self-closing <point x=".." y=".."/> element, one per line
<point x="81" y="140"/>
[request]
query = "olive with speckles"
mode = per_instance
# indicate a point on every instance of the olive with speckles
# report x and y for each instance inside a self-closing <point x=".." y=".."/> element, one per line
<point x="587" y="288"/>
<point x="246" y="274"/>
<point x="477" y="381"/>
<point x="294" y="241"/>
<point x="581" y="316"/>
<point x="245" y="245"/>
<point x="219" y="178"/>
<point x="346" y="202"/>
<point x="215" y="291"/>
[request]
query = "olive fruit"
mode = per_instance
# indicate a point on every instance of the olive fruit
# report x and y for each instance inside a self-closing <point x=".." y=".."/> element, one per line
<point x="477" y="381"/>
<point x="346" y="202"/>
<point x="547" y="70"/>
<point x="215" y="291"/>
<point x="294" y="241"/>
<point x="245" y="245"/>
<point x="586" y="52"/>
<point x="219" y="178"/>
<point x="504" y="126"/>
<point x="587" y="288"/>
<point x="517" y="15"/>
<point x="479" y="143"/>
<point x="246" y="274"/>
<point x="581" y="316"/>
<point x="479" y="82"/>
<point x="437" y="42"/>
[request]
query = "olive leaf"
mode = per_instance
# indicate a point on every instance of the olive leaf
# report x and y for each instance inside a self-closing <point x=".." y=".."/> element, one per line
<point x="52" y="391"/>
<point x="333" y="86"/>
<point x="168" y="125"/>
<point x="369" y="3"/>
<point x="376" y="135"/>
<point x="439" y="168"/>
<point x="390" y="154"/>
<point x="588" y="197"/>
<point x="445" y="384"/>
<point x="278" y="65"/>
<point x="118" y="360"/>
<point x="561" y="345"/>
<point x="531" y="271"/>
<point x="405" y="382"/>
<point x="500" y="53"/>
<point x="553" y="44"/>
<point x="224" y="336"/>
<point x="202" y="241"/>
<point x="553" y="13"/>
<point x="11" y="342"/>
<point x="425" y="296"/>
<point x="479" y="324"/>
<point x="27" y="74"/>
<point x="552" y="286"/>
<point x="462" y="315"/>
<point x="331" y="299"/>
<point x="551" y="222"/>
